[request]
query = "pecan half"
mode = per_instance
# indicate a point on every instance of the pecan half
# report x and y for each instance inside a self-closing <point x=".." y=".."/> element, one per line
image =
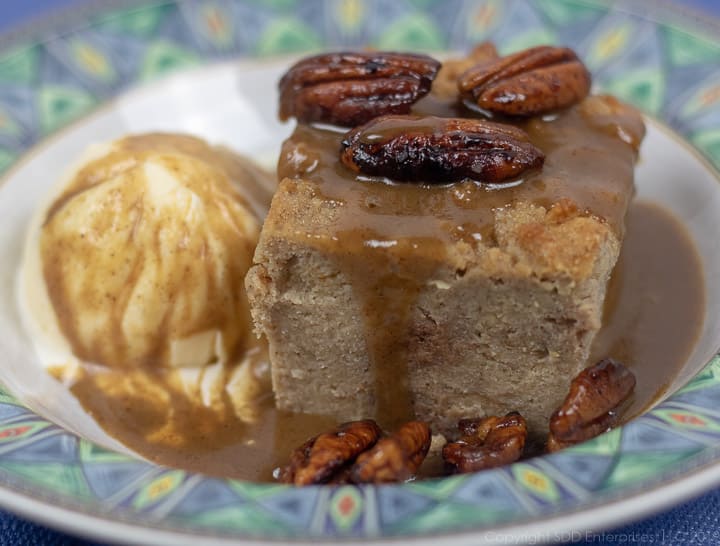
<point x="351" y="88"/>
<point x="537" y="80"/>
<point x="487" y="443"/>
<point x="590" y="407"/>
<point x="394" y="459"/>
<point x="437" y="150"/>
<point x="321" y="459"/>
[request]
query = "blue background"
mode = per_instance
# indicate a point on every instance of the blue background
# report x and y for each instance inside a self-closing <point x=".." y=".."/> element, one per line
<point x="693" y="523"/>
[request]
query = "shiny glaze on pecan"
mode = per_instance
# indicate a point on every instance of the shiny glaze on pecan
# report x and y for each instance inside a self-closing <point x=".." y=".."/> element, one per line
<point x="323" y="458"/>
<point x="436" y="150"/>
<point x="349" y="89"/>
<point x="530" y="82"/>
<point x="487" y="443"/>
<point x="590" y="407"/>
<point x="396" y="458"/>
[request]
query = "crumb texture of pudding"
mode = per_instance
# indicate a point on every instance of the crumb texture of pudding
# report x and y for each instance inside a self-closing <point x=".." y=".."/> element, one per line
<point x="443" y="301"/>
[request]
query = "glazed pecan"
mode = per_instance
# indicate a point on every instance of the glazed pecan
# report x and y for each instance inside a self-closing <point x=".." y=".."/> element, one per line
<point x="396" y="458"/>
<point x="322" y="459"/>
<point x="351" y="88"/>
<point x="590" y="407"/>
<point x="437" y="150"/>
<point x="537" y="80"/>
<point x="487" y="443"/>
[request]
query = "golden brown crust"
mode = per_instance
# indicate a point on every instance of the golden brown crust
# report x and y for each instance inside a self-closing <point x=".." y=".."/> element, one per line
<point x="554" y="243"/>
<point x="531" y="241"/>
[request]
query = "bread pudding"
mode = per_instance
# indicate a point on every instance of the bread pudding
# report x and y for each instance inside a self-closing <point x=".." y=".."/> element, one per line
<point x="401" y="293"/>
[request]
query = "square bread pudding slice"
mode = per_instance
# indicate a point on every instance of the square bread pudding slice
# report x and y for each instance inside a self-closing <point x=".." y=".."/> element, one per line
<point x="448" y="265"/>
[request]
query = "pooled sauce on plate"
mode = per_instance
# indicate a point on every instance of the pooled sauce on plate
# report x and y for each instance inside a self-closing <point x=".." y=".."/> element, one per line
<point x="653" y="316"/>
<point x="655" y="305"/>
<point x="147" y="409"/>
<point x="160" y="423"/>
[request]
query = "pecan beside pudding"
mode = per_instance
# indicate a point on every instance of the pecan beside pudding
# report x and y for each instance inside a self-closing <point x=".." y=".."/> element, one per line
<point x="357" y="452"/>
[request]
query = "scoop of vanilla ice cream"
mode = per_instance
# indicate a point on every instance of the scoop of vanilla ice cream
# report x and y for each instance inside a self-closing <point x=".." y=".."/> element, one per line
<point x="143" y="251"/>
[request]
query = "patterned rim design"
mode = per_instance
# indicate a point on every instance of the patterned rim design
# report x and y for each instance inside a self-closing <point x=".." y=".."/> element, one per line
<point x="46" y="85"/>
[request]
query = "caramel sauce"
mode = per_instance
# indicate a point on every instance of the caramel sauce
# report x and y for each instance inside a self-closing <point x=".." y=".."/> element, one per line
<point x="652" y="319"/>
<point x="653" y="316"/>
<point x="577" y="144"/>
<point x="150" y="414"/>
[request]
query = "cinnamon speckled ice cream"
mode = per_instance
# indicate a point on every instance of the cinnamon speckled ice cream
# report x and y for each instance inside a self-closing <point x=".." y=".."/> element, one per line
<point x="136" y="265"/>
